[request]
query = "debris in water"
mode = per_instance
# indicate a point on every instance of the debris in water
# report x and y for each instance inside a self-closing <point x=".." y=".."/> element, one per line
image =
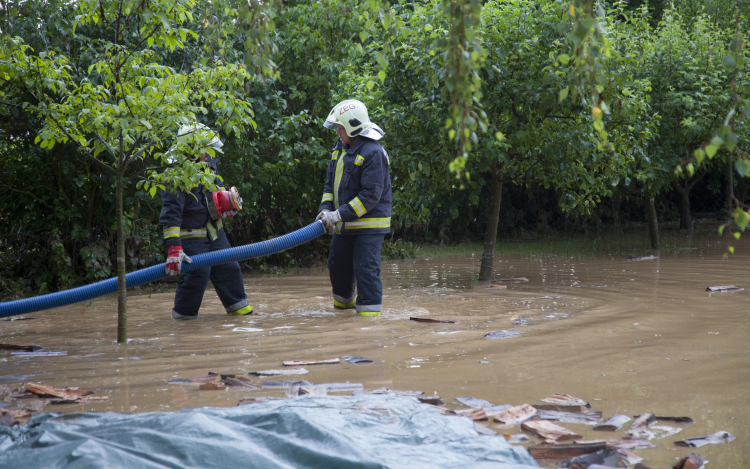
<point x="255" y="400"/>
<point x="16" y="319"/>
<point x="37" y="405"/>
<point x="312" y="390"/>
<point x="396" y="391"/>
<point x="553" y="453"/>
<point x="331" y="361"/>
<point x="355" y="359"/>
<point x="641" y="466"/>
<point x="675" y="419"/>
<point x="643" y="421"/>
<point x="629" y="457"/>
<point x="518" y="438"/>
<point x="713" y="439"/>
<point x="548" y="430"/>
<point x="288" y="371"/>
<point x="502" y="334"/>
<point x="606" y="457"/>
<point x="565" y="400"/>
<point x="15" y="413"/>
<point x="293" y="391"/>
<point x="39" y="354"/>
<point x="630" y="443"/>
<point x="64" y="396"/>
<point x="482" y="430"/>
<point x="497" y="287"/>
<point x="483" y="361"/>
<point x="246" y="329"/>
<point x="725" y="288"/>
<point x="212" y="387"/>
<point x="285" y="384"/>
<point x="641" y="258"/>
<point x="693" y="461"/>
<point x="585" y="418"/>
<point x="474" y="414"/>
<point x="654" y="431"/>
<point x="431" y="321"/>
<point x="511" y="280"/>
<point x="49" y="391"/>
<point x="341" y="387"/>
<point x="210" y="378"/>
<point x="240" y="382"/>
<point x="515" y="414"/>
<point x="520" y="321"/>
<point x="7" y="420"/>
<point x="473" y="402"/>
<point x="20" y="348"/>
<point x="432" y="400"/>
<point x="614" y="423"/>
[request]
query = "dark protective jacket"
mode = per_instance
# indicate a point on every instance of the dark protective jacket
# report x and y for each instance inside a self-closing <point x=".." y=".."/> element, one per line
<point x="185" y="215"/>
<point x="358" y="185"/>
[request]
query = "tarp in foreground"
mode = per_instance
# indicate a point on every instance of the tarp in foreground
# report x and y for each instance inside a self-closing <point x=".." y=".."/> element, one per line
<point x="310" y="431"/>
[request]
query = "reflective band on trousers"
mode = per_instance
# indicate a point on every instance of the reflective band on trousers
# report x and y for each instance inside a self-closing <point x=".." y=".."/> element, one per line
<point x="341" y="302"/>
<point x="368" y="223"/>
<point x="236" y="306"/>
<point x="368" y="308"/>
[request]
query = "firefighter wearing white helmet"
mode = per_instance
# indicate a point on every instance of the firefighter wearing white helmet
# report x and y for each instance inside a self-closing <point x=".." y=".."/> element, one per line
<point x="193" y="224"/>
<point x="356" y="208"/>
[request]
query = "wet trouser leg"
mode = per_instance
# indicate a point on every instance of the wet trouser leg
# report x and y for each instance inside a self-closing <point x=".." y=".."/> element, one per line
<point x="356" y="257"/>
<point x="227" y="280"/>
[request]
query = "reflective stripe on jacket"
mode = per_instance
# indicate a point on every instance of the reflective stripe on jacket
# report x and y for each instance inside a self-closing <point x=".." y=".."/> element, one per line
<point x="358" y="185"/>
<point x="185" y="215"/>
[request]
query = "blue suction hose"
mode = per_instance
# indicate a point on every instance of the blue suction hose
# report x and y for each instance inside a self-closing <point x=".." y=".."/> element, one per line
<point x="149" y="274"/>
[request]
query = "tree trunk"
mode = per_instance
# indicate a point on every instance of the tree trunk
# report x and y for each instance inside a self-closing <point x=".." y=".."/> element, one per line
<point x="490" y="235"/>
<point x="730" y="185"/>
<point x="122" y="312"/>
<point x="653" y="223"/>
<point x="686" y="219"/>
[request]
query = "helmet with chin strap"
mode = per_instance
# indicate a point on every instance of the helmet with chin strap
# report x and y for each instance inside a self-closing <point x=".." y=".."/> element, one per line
<point x="352" y="115"/>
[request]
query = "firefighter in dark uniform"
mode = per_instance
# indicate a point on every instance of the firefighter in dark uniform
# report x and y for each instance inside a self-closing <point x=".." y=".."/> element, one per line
<point x="356" y="208"/>
<point x="190" y="229"/>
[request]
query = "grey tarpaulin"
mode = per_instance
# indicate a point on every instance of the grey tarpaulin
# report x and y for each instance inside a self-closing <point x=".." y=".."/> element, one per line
<point x="369" y="431"/>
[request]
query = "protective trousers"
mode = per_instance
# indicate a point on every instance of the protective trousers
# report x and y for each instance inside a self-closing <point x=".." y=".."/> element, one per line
<point x="356" y="258"/>
<point x="227" y="279"/>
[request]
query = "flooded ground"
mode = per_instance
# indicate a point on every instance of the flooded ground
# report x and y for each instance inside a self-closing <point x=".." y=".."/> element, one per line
<point x="628" y="336"/>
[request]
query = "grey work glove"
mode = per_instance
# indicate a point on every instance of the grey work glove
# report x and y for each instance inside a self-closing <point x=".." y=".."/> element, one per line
<point x="329" y="220"/>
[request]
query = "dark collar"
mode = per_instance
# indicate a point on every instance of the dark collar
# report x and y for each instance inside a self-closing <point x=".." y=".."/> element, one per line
<point x="353" y="149"/>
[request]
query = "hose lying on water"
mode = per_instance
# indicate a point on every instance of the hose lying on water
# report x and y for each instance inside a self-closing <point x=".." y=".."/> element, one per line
<point x="149" y="274"/>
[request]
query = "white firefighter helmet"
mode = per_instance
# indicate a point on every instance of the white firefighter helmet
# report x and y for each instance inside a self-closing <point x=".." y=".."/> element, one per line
<point x="352" y="114"/>
<point x="203" y="131"/>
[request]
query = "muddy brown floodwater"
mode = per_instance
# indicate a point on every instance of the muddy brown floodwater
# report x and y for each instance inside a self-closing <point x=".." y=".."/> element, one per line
<point x="628" y="336"/>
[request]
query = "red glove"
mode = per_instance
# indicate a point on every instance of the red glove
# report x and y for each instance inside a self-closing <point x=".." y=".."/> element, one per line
<point x="175" y="256"/>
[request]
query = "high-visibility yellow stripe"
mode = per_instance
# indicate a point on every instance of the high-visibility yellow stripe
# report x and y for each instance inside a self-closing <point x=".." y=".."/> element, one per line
<point x="368" y="223"/>
<point x="359" y="160"/>
<point x="358" y="207"/>
<point x="386" y="158"/>
<point x="337" y="180"/>
<point x="219" y="225"/>
<point x="185" y="234"/>
<point x="172" y="232"/>
<point x="369" y="313"/>
<point x="211" y="231"/>
<point x="327" y="197"/>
